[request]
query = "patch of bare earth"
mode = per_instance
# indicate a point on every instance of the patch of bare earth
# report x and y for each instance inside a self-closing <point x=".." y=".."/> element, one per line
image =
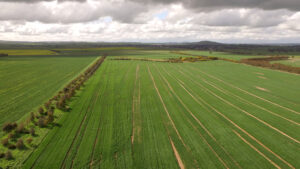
<point x="258" y="73"/>
<point x="261" y="77"/>
<point x="262" y="89"/>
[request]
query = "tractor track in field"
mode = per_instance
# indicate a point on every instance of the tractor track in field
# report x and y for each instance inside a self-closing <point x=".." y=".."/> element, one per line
<point x="95" y="98"/>
<point x="234" y="124"/>
<point x="44" y="149"/>
<point x="248" y="102"/>
<point x="254" y="148"/>
<point x="249" y="93"/>
<point x="78" y="132"/>
<point x="202" y="126"/>
<point x="165" y="108"/>
<point x="247" y="113"/>
<point x="135" y="103"/>
<point x="178" y="158"/>
<point x="92" y="162"/>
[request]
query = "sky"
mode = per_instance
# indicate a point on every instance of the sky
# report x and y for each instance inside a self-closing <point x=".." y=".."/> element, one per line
<point x="228" y="21"/>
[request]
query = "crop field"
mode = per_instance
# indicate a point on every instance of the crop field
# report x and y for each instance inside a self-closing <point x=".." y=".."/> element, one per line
<point x="28" y="81"/>
<point x="28" y="52"/>
<point x="147" y="114"/>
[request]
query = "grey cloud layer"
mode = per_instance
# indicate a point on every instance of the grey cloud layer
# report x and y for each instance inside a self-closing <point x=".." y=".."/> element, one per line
<point x="201" y="4"/>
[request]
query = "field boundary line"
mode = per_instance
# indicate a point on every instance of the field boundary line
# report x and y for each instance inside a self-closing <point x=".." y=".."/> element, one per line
<point x="165" y="108"/>
<point x="202" y="126"/>
<point x="249" y="93"/>
<point x="234" y="124"/>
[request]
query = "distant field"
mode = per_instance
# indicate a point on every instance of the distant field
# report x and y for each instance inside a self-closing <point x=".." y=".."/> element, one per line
<point x="28" y="81"/>
<point x="163" y="115"/>
<point x="221" y="54"/>
<point x="292" y="61"/>
<point x="28" y="52"/>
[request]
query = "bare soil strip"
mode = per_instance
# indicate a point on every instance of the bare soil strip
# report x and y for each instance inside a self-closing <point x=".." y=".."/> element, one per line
<point x="180" y="163"/>
<point x="261" y="77"/>
<point x="262" y="89"/>
<point x="202" y="126"/>
<point x="259" y="73"/>
<point x="228" y="84"/>
<point x="165" y="108"/>
<point x="246" y="101"/>
<point x="247" y="113"/>
<point x="234" y="124"/>
<point x="254" y="148"/>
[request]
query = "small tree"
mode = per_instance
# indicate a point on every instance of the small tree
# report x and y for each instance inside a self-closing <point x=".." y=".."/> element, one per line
<point x="20" y="128"/>
<point x="32" y="131"/>
<point x="11" y="146"/>
<point x="29" y="140"/>
<point x="47" y="104"/>
<point x="32" y="116"/>
<point x="41" y="122"/>
<point x="20" y="144"/>
<point x="50" y="118"/>
<point x="8" y="155"/>
<point x="7" y="127"/>
<point x="2" y="155"/>
<point x="5" y="142"/>
<point x="41" y="110"/>
<point x="11" y="135"/>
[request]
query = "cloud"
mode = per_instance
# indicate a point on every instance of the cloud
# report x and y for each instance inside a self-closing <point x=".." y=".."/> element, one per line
<point x="217" y="4"/>
<point x="70" y="12"/>
<point x="150" y="20"/>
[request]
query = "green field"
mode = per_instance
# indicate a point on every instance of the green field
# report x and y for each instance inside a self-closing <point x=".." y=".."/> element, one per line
<point x="137" y="114"/>
<point x="28" y="81"/>
<point x="28" y="52"/>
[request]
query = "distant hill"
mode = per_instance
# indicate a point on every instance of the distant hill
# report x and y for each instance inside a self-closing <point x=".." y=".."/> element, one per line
<point x="210" y="43"/>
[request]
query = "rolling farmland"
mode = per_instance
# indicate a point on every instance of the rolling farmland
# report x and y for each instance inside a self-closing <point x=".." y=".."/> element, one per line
<point x="148" y="114"/>
<point x="162" y="115"/>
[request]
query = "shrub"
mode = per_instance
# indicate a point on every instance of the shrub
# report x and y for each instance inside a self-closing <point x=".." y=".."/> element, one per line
<point x="20" y="144"/>
<point x="7" y="127"/>
<point x="41" y="110"/>
<point x="47" y="105"/>
<point x="50" y="118"/>
<point x="11" y="135"/>
<point x="32" y="131"/>
<point x="12" y="146"/>
<point x="32" y="117"/>
<point x="5" y="142"/>
<point x="8" y="155"/>
<point x="29" y="140"/>
<point x="2" y="155"/>
<point x="20" y="128"/>
<point x="41" y="122"/>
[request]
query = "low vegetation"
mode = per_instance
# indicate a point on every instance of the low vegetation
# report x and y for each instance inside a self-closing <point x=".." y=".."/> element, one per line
<point x="266" y="63"/>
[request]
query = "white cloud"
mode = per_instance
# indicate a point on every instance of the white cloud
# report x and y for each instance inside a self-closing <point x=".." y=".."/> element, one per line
<point x="120" y="20"/>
